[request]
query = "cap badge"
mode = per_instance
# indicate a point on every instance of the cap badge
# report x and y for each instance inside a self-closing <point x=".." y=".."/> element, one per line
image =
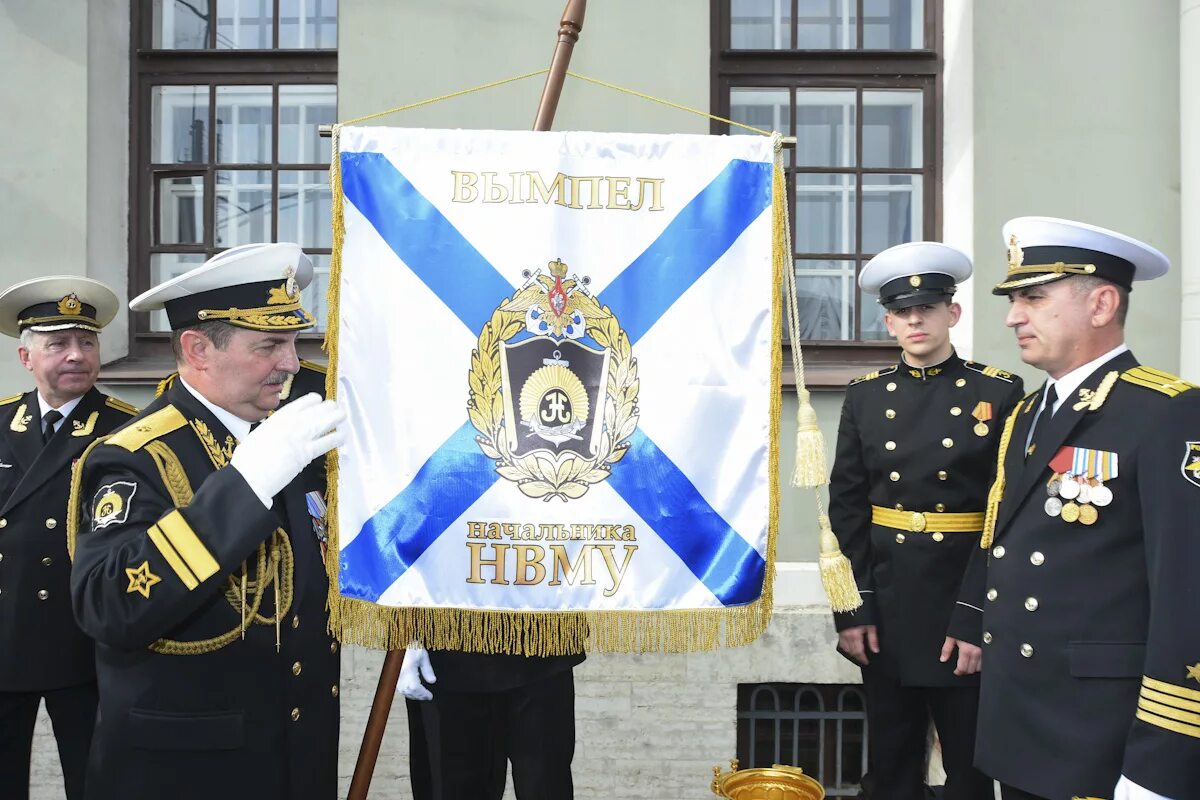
<point x="288" y="292"/>
<point x="1016" y="256"/>
<point x="914" y="281"/>
<point x="70" y="306"/>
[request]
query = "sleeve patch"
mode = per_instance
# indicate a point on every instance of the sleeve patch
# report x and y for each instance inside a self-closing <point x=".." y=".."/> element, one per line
<point x="1191" y="463"/>
<point x="111" y="504"/>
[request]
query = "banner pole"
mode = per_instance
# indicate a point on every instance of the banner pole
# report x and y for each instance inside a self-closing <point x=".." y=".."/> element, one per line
<point x="568" y="34"/>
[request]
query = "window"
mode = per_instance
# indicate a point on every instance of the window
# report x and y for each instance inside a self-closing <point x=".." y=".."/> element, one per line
<point x="856" y="82"/>
<point x="821" y="728"/>
<point x="227" y="98"/>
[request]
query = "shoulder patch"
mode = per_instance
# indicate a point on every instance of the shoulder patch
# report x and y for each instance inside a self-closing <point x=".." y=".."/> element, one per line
<point x="1156" y="379"/>
<point x="8" y="400"/>
<point x="314" y="366"/>
<point x="990" y="372"/>
<point x="120" y="405"/>
<point x="165" y="384"/>
<point x="870" y="376"/>
<point x="141" y="432"/>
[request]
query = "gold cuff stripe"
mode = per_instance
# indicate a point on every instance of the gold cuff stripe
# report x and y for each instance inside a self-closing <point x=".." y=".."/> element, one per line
<point x="919" y="521"/>
<point x="185" y="540"/>
<point x="1159" y="709"/>
<point x="172" y="558"/>
<point x="1170" y="688"/>
<point x="1170" y="700"/>
<point x="1169" y="724"/>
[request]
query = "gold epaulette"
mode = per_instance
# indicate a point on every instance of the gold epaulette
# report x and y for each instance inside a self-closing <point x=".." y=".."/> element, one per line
<point x="165" y="384"/>
<point x="138" y="434"/>
<point x="121" y="405"/>
<point x="1156" y="379"/>
<point x="990" y="372"/>
<point x="870" y="376"/>
<point x="314" y="366"/>
<point x="12" y="399"/>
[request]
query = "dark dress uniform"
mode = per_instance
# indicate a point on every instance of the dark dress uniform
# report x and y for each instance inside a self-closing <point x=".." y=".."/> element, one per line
<point x="1071" y="597"/>
<point x="916" y="449"/>
<point x="1163" y="750"/>
<point x="190" y="705"/>
<point x="43" y="652"/>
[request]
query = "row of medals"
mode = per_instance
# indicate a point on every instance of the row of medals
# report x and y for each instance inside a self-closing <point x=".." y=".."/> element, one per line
<point x="1075" y="498"/>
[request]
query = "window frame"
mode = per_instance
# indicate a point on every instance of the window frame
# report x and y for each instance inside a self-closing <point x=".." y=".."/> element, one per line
<point x="831" y="364"/>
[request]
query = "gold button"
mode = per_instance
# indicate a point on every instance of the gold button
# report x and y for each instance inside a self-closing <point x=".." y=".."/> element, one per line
<point x="43" y="594"/>
<point x="891" y="387"/>
<point x="1027" y="650"/>
<point x="296" y="621"/>
<point x="295" y="714"/>
<point x="987" y="638"/>
<point x="50" y="523"/>
<point x="890" y="414"/>
<point x="1037" y="559"/>
<point x="947" y="442"/>
<point x="961" y="382"/>
<point x="333" y="647"/>
<point x="938" y="536"/>
<point x="899" y="506"/>
<point x="296" y="668"/>
<point x="333" y="690"/>
<point x="895" y="476"/>
<point x="899" y="538"/>
<point x="992" y="594"/>
<point x="942" y="475"/>
<point x="47" y="561"/>
<point x="1031" y="604"/>
<point x="890" y="445"/>
<point x="998" y="551"/>
<point x="940" y="506"/>
<point x="956" y="411"/>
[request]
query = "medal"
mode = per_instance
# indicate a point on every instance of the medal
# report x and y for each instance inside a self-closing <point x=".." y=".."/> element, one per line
<point x="1101" y="495"/>
<point x="1069" y="489"/>
<point x="982" y="413"/>
<point x="981" y="429"/>
<point x="1070" y="512"/>
<point x="1088" y="515"/>
<point x="1054" y="506"/>
<point x="1054" y="485"/>
<point x="1085" y="492"/>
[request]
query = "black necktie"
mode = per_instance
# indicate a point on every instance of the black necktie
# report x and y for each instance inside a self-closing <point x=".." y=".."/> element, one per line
<point x="1042" y="420"/>
<point x="48" y="421"/>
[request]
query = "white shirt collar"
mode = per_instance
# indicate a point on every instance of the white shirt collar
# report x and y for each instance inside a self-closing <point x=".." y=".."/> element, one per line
<point x="1067" y="384"/>
<point x="233" y="423"/>
<point x="65" y="409"/>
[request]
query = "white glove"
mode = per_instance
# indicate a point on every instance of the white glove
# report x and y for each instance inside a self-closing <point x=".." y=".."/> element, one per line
<point x="416" y="667"/>
<point x="283" y="445"/>
<point x="1128" y="790"/>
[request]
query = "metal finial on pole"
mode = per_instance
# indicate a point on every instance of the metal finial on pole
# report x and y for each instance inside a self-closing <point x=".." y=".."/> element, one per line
<point x="568" y="34"/>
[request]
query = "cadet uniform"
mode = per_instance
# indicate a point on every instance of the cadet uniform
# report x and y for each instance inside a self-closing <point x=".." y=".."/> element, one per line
<point x="916" y="448"/>
<point x="217" y="677"/>
<point x="44" y="655"/>
<point x="1070" y="592"/>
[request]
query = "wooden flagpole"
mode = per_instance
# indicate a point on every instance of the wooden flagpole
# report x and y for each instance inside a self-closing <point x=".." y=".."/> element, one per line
<point x="569" y="29"/>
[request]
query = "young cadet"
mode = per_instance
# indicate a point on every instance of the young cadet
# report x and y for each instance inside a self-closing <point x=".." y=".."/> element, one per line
<point x="1090" y="654"/>
<point x="916" y="449"/>
<point x="198" y="568"/>
<point x="43" y="654"/>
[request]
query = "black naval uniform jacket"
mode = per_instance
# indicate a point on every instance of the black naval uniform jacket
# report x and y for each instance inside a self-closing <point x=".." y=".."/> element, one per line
<point x="1163" y="751"/>
<point x="41" y="647"/>
<point x="907" y="442"/>
<point x="250" y="719"/>
<point x="1065" y="642"/>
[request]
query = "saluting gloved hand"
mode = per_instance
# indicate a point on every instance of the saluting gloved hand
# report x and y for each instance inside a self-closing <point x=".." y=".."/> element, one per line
<point x="283" y="445"/>
<point x="416" y="667"/>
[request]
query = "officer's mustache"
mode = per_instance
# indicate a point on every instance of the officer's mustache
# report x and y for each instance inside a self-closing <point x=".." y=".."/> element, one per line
<point x="277" y="377"/>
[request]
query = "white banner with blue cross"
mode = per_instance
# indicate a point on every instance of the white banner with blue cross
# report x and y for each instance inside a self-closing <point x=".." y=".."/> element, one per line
<point x="559" y="353"/>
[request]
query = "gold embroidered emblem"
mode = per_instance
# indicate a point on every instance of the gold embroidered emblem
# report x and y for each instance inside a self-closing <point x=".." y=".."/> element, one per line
<point x="141" y="579"/>
<point x="1193" y="672"/>
<point x="85" y="428"/>
<point x="218" y="453"/>
<point x="70" y="306"/>
<point x="1016" y="256"/>
<point x="1092" y="400"/>
<point x="20" y="421"/>
<point x="914" y="281"/>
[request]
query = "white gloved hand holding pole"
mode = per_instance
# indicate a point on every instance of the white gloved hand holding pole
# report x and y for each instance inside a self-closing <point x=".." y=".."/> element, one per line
<point x="416" y="667"/>
<point x="283" y="445"/>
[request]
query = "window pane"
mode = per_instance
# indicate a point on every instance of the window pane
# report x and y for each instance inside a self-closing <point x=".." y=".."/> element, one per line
<point x="891" y="214"/>
<point x="180" y="209"/>
<point x="245" y="24"/>
<point x="181" y="24"/>
<point x="827" y="25"/>
<point x="163" y="267"/>
<point x="301" y="110"/>
<point x="309" y="24"/>
<point x="179" y="122"/>
<point x="873" y="327"/>
<point x="825" y="293"/>
<point x="305" y="208"/>
<point x="315" y="297"/>
<point x="243" y="208"/>
<point x="893" y="24"/>
<point x="760" y="24"/>
<point x="825" y="120"/>
<point x="243" y="124"/>
<point x="892" y="128"/>
<point x="824" y="213"/>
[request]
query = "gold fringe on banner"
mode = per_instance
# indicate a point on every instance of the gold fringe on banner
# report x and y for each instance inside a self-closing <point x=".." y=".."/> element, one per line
<point x="546" y="633"/>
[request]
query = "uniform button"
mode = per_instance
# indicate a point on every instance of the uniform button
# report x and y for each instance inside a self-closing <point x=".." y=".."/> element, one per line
<point x="891" y="387"/>
<point x="1031" y="604"/>
<point x="296" y="621"/>
<point x="899" y="538"/>
<point x="1" y="556"/>
<point x="947" y="442"/>
<point x="938" y="536"/>
<point x="890" y="414"/>
<point x="899" y="506"/>
<point x="333" y="647"/>
<point x="956" y="411"/>
<point x="940" y="506"/>
<point x="43" y="594"/>
<point x="895" y="476"/>
<point x="942" y="475"/>
<point x="296" y="668"/>
<point x="890" y="445"/>
<point x="987" y="638"/>
<point x="3" y="523"/>
<point x="992" y="594"/>
<point x="961" y="382"/>
<point x="47" y="561"/>
<point x="50" y="523"/>
<point x="998" y="551"/>
<point x="333" y="690"/>
<point x="1037" y="559"/>
<point x="295" y="714"/>
<point x="1027" y="650"/>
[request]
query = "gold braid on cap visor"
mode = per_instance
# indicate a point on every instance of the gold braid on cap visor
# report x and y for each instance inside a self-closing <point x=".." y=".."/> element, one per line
<point x="1038" y="273"/>
<point x="75" y="321"/>
<point x="263" y="318"/>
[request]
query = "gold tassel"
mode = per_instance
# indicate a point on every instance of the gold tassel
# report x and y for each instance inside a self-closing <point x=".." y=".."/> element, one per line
<point x="810" y="471"/>
<point x="996" y="492"/>
<point x="837" y="576"/>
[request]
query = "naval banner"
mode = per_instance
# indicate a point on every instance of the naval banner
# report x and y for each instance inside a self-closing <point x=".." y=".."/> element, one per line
<point x="559" y="353"/>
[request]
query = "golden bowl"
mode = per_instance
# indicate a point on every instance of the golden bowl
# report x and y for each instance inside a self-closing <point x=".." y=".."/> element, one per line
<point x="778" y="782"/>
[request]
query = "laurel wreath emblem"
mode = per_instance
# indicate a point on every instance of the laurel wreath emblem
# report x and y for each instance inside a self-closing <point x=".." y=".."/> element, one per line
<point x="566" y="475"/>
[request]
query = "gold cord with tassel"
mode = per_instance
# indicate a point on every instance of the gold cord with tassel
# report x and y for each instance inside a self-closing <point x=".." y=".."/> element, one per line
<point x="997" y="490"/>
<point x="837" y="573"/>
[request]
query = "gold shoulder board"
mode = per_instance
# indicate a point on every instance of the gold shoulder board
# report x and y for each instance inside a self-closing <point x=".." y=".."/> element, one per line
<point x="165" y="384"/>
<point x="990" y="372"/>
<point x="870" y="376"/>
<point x="140" y="433"/>
<point x="12" y="399"/>
<point x="120" y="405"/>
<point x="1156" y="379"/>
<point x="314" y="366"/>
